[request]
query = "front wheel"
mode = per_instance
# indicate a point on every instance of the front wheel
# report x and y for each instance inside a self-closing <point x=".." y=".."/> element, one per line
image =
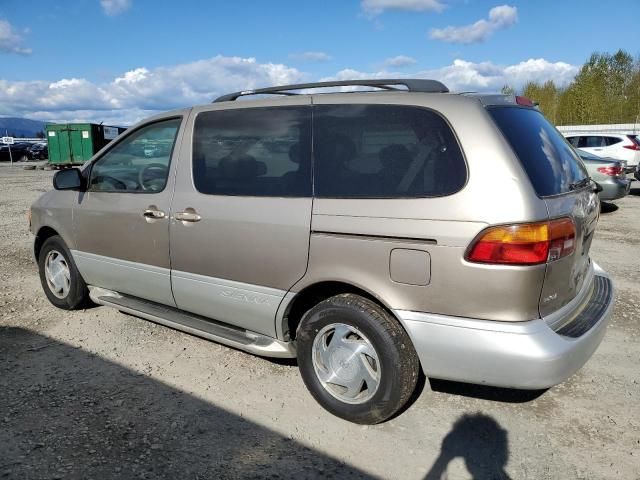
<point x="62" y="283"/>
<point x="356" y="359"/>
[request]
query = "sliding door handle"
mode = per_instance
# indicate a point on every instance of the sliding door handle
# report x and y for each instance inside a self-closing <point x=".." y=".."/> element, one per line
<point x="187" y="216"/>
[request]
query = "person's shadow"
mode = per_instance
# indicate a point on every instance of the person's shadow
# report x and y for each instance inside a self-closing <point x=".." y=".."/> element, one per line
<point x="481" y="442"/>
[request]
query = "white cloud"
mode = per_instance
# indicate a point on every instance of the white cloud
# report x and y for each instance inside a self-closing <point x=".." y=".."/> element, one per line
<point x="138" y="93"/>
<point x="141" y="92"/>
<point x="115" y="7"/>
<point x="499" y="17"/>
<point x="376" y="7"/>
<point x="399" y="61"/>
<point x="10" y="40"/>
<point x="462" y="75"/>
<point x="311" y="56"/>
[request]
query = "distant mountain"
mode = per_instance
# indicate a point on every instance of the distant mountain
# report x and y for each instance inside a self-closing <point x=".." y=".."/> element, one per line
<point x="20" y="127"/>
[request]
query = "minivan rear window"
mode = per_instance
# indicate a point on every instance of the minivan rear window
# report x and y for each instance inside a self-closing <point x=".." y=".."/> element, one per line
<point x="550" y="162"/>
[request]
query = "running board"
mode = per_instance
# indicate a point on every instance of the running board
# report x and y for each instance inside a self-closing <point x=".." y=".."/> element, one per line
<point x="235" y="337"/>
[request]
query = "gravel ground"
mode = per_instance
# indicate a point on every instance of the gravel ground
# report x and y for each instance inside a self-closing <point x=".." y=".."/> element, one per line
<point x="100" y="394"/>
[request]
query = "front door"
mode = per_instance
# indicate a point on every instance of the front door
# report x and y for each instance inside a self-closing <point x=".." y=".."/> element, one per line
<point x="121" y="223"/>
<point x="242" y="212"/>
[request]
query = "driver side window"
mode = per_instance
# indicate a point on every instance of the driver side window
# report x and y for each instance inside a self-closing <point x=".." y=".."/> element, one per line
<point x="139" y="163"/>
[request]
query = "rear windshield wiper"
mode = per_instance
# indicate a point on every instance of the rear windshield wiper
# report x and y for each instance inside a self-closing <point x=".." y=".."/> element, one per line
<point x="580" y="183"/>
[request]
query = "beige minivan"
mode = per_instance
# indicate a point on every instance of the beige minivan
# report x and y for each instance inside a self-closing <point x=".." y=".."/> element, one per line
<point x="371" y="234"/>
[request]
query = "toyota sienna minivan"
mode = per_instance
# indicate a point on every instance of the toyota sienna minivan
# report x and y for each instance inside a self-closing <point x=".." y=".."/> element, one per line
<point x="369" y="234"/>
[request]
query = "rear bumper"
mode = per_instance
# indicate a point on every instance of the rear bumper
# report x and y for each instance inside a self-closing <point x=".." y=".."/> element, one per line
<point x="614" y="189"/>
<point x="526" y="355"/>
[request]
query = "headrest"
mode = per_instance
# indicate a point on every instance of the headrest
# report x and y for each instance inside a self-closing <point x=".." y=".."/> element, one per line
<point x="395" y="155"/>
<point x="241" y="167"/>
<point x="295" y="153"/>
<point x="337" y="148"/>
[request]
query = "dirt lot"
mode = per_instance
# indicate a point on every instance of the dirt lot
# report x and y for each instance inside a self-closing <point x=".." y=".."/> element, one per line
<point x="99" y="394"/>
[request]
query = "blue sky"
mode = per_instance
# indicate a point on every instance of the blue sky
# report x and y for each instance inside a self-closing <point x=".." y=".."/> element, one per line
<point x="118" y="60"/>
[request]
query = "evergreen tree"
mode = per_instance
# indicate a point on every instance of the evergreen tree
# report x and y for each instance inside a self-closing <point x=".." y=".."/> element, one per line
<point x="605" y="90"/>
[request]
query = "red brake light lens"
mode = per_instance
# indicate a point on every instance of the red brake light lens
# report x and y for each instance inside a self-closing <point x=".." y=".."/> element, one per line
<point x="524" y="244"/>
<point x="611" y="171"/>
<point x="524" y="101"/>
<point x="633" y="147"/>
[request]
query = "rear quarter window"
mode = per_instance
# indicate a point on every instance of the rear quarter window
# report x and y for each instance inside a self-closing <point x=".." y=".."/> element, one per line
<point x="384" y="151"/>
<point x="575" y="141"/>
<point x="549" y="160"/>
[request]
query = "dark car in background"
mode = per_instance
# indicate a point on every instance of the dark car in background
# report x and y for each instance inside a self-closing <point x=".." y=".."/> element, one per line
<point x="19" y="152"/>
<point x="38" y="151"/>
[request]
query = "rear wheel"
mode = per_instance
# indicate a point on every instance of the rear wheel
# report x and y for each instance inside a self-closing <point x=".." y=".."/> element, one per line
<point x="62" y="283"/>
<point x="356" y="359"/>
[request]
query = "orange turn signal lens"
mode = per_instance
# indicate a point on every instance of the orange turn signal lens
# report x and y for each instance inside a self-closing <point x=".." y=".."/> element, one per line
<point x="524" y="244"/>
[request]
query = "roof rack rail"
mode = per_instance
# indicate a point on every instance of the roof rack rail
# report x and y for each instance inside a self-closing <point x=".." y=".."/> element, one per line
<point x="411" y="84"/>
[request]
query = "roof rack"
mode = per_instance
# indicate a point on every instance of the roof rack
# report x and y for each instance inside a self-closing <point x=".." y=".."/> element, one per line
<point x="412" y="85"/>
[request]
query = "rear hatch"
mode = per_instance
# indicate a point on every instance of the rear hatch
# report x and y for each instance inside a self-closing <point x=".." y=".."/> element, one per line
<point x="561" y="180"/>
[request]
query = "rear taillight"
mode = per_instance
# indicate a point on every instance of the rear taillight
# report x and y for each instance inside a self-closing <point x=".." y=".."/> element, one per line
<point x="611" y="171"/>
<point x="633" y="147"/>
<point x="524" y="244"/>
<point x="635" y="139"/>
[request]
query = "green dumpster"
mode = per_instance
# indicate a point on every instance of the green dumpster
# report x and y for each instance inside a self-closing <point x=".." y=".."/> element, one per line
<point x="75" y="143"/>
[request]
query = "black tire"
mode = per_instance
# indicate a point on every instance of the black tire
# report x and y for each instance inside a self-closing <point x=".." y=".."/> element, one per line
<point x="77" y="296"/>
<point x="398" y="362"/>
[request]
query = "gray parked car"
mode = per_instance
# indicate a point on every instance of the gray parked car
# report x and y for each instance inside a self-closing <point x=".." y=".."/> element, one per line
<point x="608" y="173"/>
<point x="369" y="234"/>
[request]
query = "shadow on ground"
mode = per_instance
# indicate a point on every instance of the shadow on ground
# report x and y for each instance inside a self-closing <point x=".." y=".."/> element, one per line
<point x="484" y="392"/>
<point x="607" y="207"/>
<point x="483" y="445"/>
<point x="65" y="413"/>
<point x="68" y="414"/>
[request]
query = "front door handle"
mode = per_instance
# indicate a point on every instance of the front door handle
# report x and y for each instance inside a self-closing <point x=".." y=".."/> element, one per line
<point x="187" y="216"/>
<point x="153" y="213"/>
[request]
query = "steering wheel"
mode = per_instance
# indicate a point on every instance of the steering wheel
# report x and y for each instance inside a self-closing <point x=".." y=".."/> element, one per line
<point x="158" y="172"/>
<point x="117" y="184"/>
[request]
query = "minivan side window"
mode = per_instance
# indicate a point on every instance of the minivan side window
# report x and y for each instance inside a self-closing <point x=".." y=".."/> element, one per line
<point x="139" y="163"/>
<point x="262" y="152"/>
<point x="384" y="151"/>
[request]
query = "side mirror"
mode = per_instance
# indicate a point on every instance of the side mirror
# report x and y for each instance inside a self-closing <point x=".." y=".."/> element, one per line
<point x="68" y="179"/>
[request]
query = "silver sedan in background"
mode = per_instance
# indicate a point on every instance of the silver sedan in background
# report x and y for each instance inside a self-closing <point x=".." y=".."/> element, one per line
<point x="608" y="173"/>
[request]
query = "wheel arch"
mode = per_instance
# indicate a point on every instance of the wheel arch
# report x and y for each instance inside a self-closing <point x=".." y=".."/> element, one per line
<point x="315" y="293"/>
<point x="43" y="234"/>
